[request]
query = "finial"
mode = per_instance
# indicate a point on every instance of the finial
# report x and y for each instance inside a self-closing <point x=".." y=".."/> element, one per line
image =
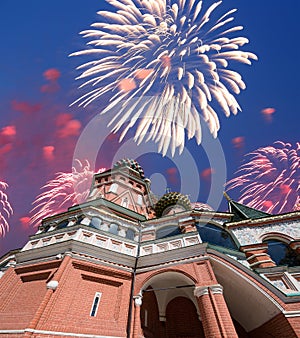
<point x="226" y="196"/>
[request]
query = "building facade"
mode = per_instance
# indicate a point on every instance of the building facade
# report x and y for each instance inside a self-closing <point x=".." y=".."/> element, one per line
<point x="128" y="264"/>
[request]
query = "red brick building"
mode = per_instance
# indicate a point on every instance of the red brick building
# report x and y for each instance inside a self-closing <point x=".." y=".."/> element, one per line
<point x="125" y="264"/>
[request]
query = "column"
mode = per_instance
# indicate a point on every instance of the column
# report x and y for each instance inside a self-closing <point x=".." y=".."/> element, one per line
<point x="216" y="319"/>
<point x="51" y="287"/>
<point x="257" y="255"/>
<point x="137" y="330"/>
<point x="209" y="321"/>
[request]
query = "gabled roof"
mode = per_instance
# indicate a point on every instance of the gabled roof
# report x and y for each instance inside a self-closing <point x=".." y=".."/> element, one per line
<point x="242" y="212"/>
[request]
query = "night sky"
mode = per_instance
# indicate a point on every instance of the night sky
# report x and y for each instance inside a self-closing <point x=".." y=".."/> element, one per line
<point x="40" y="134"/>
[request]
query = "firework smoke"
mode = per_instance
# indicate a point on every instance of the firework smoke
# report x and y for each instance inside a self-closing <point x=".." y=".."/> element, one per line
<point x="270" y="179"/>
<point x="65" y="190"/>
<point x="164" y="63"/>
<point x="5" y="210"/>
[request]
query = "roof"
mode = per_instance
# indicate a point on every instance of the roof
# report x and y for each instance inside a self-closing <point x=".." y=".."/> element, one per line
<point x="242" y="212"/>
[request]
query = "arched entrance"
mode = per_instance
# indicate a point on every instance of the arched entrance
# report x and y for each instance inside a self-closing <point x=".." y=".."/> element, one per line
<point x="182" y="319"/>
<point x="169" y="308"/>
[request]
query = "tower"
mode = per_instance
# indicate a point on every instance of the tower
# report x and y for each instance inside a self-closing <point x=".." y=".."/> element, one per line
<point x="126" y="264"/>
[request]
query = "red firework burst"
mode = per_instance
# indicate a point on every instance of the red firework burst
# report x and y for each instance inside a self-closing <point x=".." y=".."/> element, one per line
<point x="65" y="190"/>
<point x="270" y="179"/>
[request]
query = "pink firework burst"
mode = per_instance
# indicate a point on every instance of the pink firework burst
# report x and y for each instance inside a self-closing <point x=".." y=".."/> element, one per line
<point x="270" y="180"/>
<point x="5" y="209"/>
<point x="65" y="190"/>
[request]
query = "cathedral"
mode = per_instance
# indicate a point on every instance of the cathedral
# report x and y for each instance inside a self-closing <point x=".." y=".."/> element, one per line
<point x="129" y="264"/>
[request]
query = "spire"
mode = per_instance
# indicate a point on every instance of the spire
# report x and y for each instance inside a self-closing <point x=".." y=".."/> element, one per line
<point x="242" y="212"/>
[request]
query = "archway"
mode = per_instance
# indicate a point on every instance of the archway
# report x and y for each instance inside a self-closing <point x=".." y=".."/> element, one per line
<point x="169" y="308"/>
<point x="182" y="319"/>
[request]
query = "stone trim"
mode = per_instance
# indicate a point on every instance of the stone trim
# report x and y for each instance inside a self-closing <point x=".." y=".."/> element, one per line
<point x="55" y="333"/>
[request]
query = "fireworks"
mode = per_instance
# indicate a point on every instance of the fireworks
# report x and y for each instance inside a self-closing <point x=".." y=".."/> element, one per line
<point x="270" y="180"/>
<point x="5" y="210"/>
<point x="163" y="63"/>
<point x="65" y="190"/>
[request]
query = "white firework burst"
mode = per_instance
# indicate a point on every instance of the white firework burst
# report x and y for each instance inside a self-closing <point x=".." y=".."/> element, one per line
<point x="163" y="64"/>
<point x="5" y="210"/>
<point x="65" y="190"/>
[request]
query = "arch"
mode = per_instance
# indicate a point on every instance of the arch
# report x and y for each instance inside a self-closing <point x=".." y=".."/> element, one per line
<point x="281" y="253"/>
<point x="96" y="222"/>
<point x="130" y="234"/>
<point x="165" y="287"/>
<point x="216" y="235"/>
<point x="113" y="228"/>
<point x="161" y="289"/>
<point x="249" y="303"/>
<point x="182" y="319"/>
<point x="276" y="236"/>
<point x="150" y="315"/>
<point x="113" y="188"/>
<point x="167" y="231"/>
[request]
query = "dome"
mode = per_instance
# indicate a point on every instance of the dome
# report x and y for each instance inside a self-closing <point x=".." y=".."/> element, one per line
<point x="201" y="206"/>
<point x="172" y="199"/>
<point x="129" y="163"/>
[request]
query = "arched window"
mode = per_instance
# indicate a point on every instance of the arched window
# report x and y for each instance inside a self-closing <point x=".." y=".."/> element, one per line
<point x="214" y="235"/>
<point x="124" y="202"/>
<point x="96" y="222"/>
<point x="113" y="188"/>
<point x="62" y="224"/>
<point x="281" y="253"/>
<point x="130" y="234"/>
<point x="168" y="231"/>
<point x="113" y="228"/>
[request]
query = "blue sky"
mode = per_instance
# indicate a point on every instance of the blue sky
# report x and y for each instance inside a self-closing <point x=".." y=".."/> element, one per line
<point x="39" y="35"/>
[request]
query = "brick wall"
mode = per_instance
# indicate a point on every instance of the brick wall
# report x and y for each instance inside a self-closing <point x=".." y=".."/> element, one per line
<point x="182" y="319"/>
<point x="70" y="306"/>
<point x="277" y="327"/>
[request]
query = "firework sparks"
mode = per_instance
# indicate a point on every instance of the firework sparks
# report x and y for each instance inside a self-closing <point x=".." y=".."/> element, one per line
<point x="65" y="190"/>
<point x="164" y="63"/>
<point x="270" y="180"/>
<point x="5" y="210"/>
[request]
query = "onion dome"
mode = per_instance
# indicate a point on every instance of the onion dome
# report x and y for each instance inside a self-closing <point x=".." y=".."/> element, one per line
<point x="172" y="199"/>
<point x="129" y="163"/>
<point x="201" y="206"/>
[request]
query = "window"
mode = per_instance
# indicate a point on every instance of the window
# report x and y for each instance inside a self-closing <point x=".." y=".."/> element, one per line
<point x="62" y="224"/>
<point x="113" y="188"/>
<point x="282" y="254"/>
<point x="130" y="234"/>
<point x="113" y="229"/>
<point x="214" y="235"/>
<point x="125" y="202"/>
<point x="95" y="304"/>
<point x="168" y="231"/>
<point x="96" y="222"/>
<point x="140" y="200"/>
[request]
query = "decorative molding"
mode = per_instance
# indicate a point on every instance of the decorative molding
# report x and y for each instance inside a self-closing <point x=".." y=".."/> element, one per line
<point x="138" y="300"/>
<point x="247" y="235"/>
<point x="52" y="285"/>
<point x="200" y="291"/>
<point x="216" y="289"/>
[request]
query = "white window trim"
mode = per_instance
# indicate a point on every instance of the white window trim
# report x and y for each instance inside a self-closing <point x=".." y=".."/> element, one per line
<point x="97" y="295"/>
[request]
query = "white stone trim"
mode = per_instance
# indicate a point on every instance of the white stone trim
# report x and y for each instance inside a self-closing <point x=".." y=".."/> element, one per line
<point x="216" y="289"/>
<point x="260" y="262"/>
<point x="279" y="307"/>
<point x="200" y="291"/>
<point x="138" y="300"/>
<point x="290" y="314"/>
<point x="256" y="255"/>
<point x="56" y="333"/>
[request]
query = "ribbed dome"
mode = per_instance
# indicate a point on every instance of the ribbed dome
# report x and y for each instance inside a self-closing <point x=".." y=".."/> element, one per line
<point x="201" y="206"/>
<point x="133" y="164"/>
<point x="169" y="199"/>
